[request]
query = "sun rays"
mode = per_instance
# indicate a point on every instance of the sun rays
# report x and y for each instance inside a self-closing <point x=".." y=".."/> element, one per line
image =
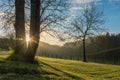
<point x="27" y="38"/>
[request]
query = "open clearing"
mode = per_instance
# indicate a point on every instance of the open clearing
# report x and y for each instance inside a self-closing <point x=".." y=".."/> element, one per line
<point x="56" y="69"/>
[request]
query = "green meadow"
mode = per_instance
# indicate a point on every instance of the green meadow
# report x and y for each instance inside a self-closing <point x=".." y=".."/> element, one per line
<point x="56" y="69"/>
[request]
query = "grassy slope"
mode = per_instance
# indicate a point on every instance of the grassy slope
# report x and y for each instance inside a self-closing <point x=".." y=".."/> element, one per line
<point x="56" y="69"/>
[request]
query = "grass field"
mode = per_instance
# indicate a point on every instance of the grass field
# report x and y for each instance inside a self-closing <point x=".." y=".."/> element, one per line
<point x="56" y="69"/>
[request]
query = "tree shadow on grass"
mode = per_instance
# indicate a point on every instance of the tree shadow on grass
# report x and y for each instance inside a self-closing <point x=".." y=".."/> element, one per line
<point x="65" y="73"/>
<point x="11" y="70"/>
<point x="14" y="70"/>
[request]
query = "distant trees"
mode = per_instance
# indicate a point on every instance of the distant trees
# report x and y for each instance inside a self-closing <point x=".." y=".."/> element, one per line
<point x="7" y="43"/>
<point x="88" y="23"/>
<point x="106" y="42"/>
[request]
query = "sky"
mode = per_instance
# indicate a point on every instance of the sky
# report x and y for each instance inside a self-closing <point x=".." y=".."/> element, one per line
<point x="111" y="11"/>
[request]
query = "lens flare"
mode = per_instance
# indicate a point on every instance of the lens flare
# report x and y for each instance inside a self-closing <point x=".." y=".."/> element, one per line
<point x="27" y="38"/>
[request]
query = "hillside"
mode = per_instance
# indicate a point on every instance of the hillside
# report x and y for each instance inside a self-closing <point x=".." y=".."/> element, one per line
<point x="108" y="56"/>
<point x="45" y="48"/>
<point x="56" y="69"/>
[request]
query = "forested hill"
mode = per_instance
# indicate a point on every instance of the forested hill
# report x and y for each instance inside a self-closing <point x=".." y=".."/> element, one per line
<point x="98" y="44"/>
<point x="103" y="48"/>
<point x="45" y="48"/>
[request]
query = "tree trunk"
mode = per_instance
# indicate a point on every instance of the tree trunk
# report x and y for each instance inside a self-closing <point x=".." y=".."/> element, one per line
<point x="20" y="30"/>
<point x="34" y="30"/>
<point x="84" y="51"/>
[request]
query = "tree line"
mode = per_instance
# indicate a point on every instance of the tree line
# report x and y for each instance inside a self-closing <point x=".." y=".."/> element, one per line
<point x="94" y="45"/>
<point x="102" y="48"/>
<point x="98" y="43"/>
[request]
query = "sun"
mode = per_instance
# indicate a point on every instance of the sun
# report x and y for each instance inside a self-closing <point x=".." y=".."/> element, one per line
<point x="27" y="38"/>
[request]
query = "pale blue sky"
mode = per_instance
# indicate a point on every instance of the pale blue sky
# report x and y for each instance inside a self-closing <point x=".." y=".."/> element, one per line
<point x="111" y="10"/>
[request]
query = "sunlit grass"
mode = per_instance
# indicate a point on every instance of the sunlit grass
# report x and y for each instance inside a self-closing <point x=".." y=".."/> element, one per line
<point x="87" y="71"/>
<point x="56" y="69"/>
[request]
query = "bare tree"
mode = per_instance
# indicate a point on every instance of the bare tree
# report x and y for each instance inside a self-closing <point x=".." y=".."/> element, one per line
<point x="88" y="23"/>
<point x="20" y="48"/>
<point x="45" y="15"/>
<point x="34" y="30"/>
<point x="47" y="18"/>
<point x="7" y="15"/>
<point x="13" y="19"/>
